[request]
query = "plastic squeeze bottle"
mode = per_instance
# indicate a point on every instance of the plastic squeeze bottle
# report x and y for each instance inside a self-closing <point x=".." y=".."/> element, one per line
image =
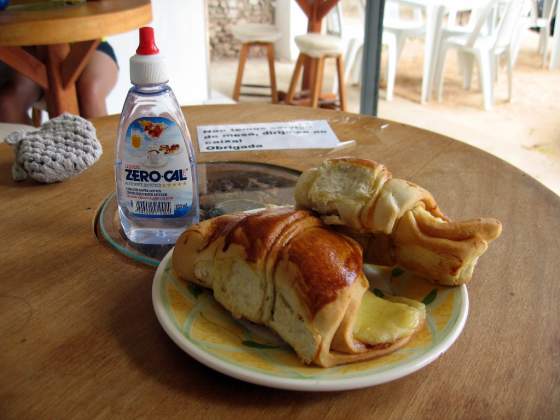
<point x="155" y="168"/>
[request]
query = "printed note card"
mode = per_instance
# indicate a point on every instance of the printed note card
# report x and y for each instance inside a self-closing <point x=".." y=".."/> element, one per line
<point x="266" y="136"/>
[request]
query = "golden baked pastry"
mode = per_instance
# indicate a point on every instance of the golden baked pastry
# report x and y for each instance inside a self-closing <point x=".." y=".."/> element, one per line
<point x="397" y="222"/>
<point x="285" y="269"/>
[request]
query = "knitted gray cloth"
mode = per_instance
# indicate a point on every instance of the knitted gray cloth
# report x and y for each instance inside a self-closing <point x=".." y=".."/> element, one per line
<point x="63" y="147"/>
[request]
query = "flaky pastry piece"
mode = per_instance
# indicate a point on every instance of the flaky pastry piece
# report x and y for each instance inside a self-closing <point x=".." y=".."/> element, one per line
<point x="284" y="269"/>
<point x="396" y="221"/>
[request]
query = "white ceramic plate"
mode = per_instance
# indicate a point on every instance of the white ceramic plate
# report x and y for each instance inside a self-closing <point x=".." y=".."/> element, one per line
<point x="207" y="332"/>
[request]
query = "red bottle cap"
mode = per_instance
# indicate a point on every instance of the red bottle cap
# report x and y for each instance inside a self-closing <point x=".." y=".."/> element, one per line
<point x="147" y="42"/>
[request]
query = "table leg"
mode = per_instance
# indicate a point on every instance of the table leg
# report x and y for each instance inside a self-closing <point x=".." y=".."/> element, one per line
<point x="65" y="64"/>
<point x="555" y="54"/>
<point x="272" y="73"/>
<point x="59" y="98"/>
<point x="26" y="64"/>
<point x="434" y="21"/>
<point x="243" y="54"/>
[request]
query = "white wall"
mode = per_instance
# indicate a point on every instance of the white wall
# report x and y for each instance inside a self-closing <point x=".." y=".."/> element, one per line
<point x="181" y="36"/>
<point x="291" y="21"/>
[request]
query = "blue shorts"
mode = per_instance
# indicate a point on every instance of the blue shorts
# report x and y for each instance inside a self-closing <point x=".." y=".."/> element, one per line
<point x="106" y="48"/>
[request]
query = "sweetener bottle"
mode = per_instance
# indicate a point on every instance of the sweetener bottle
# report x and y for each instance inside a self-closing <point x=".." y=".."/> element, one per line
<point x="155" y="168"/>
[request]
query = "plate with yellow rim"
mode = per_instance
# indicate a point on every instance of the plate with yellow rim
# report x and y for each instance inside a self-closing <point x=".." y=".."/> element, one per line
<point x="207" y="332"/>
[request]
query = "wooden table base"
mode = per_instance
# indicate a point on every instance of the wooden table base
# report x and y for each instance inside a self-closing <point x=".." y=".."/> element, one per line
<point x="62" y="37"/>
<point x="56" y="70"/>
<point x="327" y="100"/>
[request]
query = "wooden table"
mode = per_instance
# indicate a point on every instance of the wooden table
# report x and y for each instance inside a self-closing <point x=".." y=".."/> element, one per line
<point x="79" y="337"/>
<point x="69" y="34"/>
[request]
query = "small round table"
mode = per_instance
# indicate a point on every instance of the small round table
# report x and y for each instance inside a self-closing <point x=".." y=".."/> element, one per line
<point x="69" y="34"/>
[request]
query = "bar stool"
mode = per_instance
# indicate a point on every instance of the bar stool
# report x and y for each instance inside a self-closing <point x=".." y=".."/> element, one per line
<point x="317" y="48"/>
<point x="256" y="35"/>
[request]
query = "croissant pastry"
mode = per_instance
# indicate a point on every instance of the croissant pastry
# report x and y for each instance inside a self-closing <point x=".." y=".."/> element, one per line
<point x="284" y="269"/>
<point x="397" y="222"/>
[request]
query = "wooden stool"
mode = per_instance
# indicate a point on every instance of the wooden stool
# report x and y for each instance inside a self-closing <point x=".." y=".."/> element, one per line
<point x="317" y="48"/>
<point x="256" y="35"/>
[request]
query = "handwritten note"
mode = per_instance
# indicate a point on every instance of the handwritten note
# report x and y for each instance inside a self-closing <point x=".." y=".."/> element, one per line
<point x="266" y="136"/>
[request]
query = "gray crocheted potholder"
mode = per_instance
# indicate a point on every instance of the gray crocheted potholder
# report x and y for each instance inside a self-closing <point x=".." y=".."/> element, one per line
<point x="63" y="147"/>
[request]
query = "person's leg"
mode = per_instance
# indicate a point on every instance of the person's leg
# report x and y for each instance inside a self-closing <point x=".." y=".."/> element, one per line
<point x="17" y="96"/>
<point x="94" y="84"/>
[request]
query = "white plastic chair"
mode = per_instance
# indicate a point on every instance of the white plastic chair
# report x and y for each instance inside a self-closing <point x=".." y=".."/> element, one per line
<point x="485" y="49"/>
<point x="544" y="24"/>
<point x="525" y="22"/>
<point x="353" y="39"/>
<point x="394" y="25"/>
<point x="453" y="29"/>
<point x="396" y="30"/>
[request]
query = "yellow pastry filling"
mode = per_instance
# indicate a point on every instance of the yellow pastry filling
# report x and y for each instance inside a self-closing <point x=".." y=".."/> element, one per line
<point x="385" y="320"/>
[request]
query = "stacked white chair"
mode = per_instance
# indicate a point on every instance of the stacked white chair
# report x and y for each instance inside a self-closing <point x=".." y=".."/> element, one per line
<point x="525" y="22"/>
<point x="453" y="28"/>
<point x="396" y="31"/>
<point x="485" y="49"/>
<point x="543" y="23"/>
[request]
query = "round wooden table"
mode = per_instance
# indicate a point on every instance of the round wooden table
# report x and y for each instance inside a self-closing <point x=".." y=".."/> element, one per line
<point x="79" y="336"/>
<point x="69" y="34"/>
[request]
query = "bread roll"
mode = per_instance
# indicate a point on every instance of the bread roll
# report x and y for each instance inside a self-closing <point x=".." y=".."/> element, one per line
<point x="284" y="269"/>
<point x="397" y="222"/>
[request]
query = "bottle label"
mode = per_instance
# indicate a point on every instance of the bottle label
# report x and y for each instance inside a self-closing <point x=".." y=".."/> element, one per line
<point x="157" y="178"/>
